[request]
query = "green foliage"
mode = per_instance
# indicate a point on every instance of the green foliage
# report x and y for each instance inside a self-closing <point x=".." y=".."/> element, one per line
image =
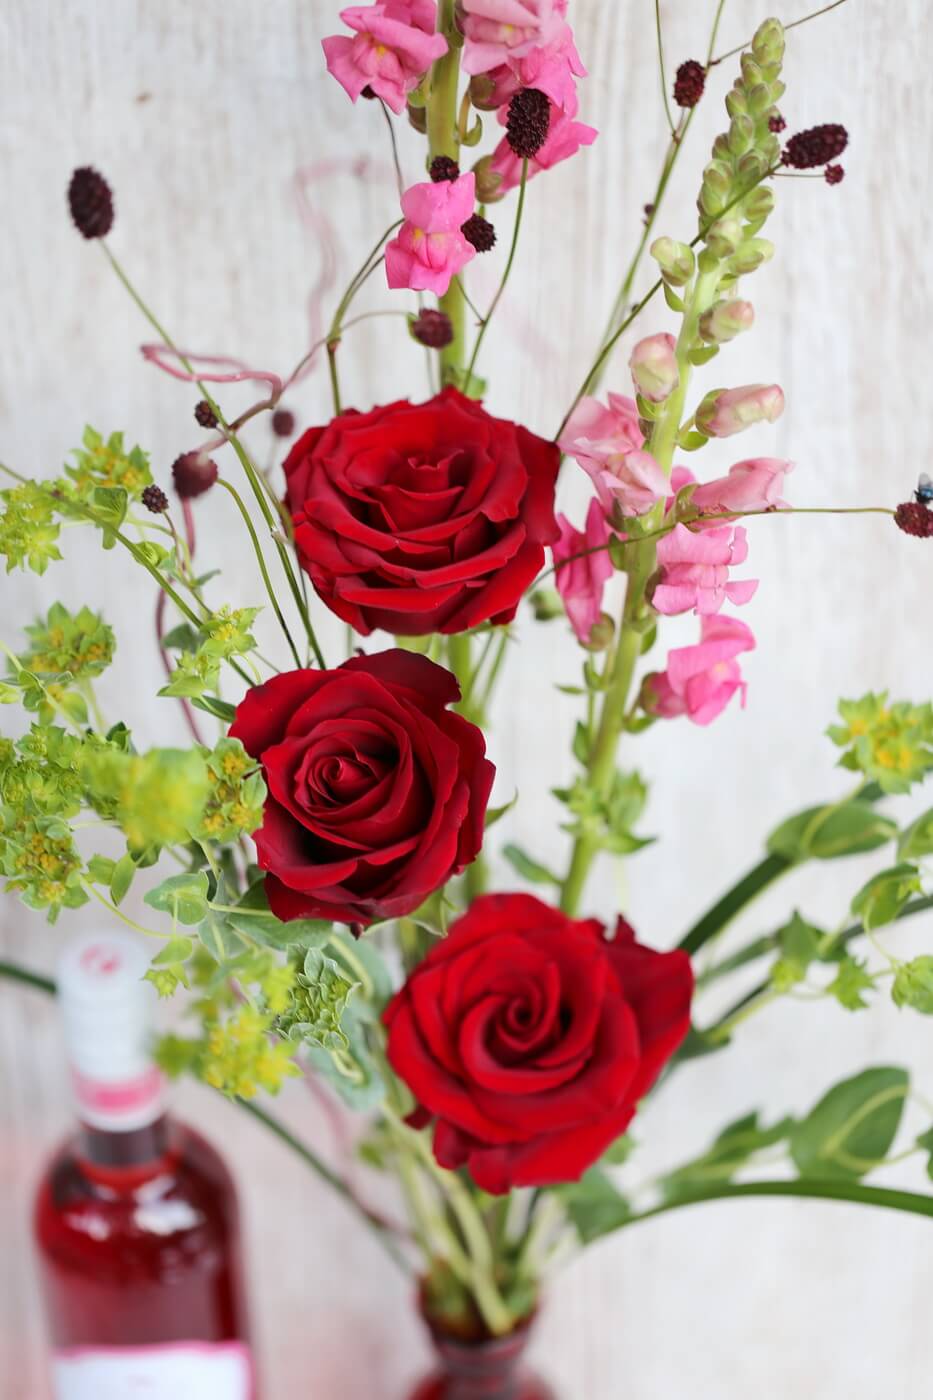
<point x="29" y="531"/>
<point x="80" y="644"/>
<point x="925" y="1142"/>
<point x="157" y="798"/>
<point x="913" y="985"/>
<point x="890" y="743"/>
<point x="732" y="1149"/>
<point x="916" y="840"/>
<point x="593" y="1205"/>
<point x="105" y="464"/>
<point x="826" y="833"/>
<point x="607" y="819"/>
<point x="41" y="862"/>
<point x="319" y="997"/>
<point x="222" y="636"/>
<point x="237" y="793"/>
<point x="851" y="1129"/>
<point x="530" y="870"/>
<point x="799" y="943"/>
<point x="850" y="983"/>
<point x="884" y="896"/>
<point x="184" y="897"/>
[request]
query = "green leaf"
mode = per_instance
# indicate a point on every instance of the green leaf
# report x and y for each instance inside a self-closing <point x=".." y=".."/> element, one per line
<point x="735" y="1145"/>
<point x="884" y="896"/>
<point x="852" y="1127"/>
<point x="925" y="1141"/>
<point x="213" y="705"/>
<point x="176" y="950"/>
<point x="693" y="441"/>
<point x="255" y="921"/>
<point x="917" y="839"/>
<point x="181" y="638"/>
<point x="799" y="942"/>
<point x="529" y="869"/>
<point x="703" y="354"/>
<point x="673" y="300"/>
<point x="495" y="814"/>
<point x="122" y="878"/>
<point x="827" y="833"/>
<point x="620" y="1151"/>
<point x="182" y="896"/>
<point x="913" y="985"/>
<point x="850" y="982"/>
<point x="593" y="1205"/>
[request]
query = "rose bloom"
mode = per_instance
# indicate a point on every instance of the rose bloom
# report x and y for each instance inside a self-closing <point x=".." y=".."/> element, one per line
<point x="701" y="680"/>
<point x="393" y="47"/>
<point x="422" y="518"/>
<point x="377" y="792"/>
<point x="529" y="1037"/>
<point x="429" y="249"/>
<point x="581" y="568"/>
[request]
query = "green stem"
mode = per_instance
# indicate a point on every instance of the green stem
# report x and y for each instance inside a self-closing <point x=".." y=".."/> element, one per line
<point x="12" y="972"/>
<point x="506" y="274"/>
<point x="444" y="140"/>
<point x="734" y="901"/>
<point x="251" y="530"/>
<point x="660" y="36"/>
<point x="795" y="24"/>
<point x="909" y="1201"/>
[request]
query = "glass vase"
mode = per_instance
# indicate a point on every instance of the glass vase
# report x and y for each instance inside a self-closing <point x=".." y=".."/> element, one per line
<point x="492" y="1369"/>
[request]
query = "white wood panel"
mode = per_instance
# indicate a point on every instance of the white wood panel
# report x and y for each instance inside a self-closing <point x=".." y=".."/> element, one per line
<point x="201" y="116"/>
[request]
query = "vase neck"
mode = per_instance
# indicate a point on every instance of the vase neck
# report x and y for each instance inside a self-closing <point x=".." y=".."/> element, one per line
<point x="490" y="1370"/>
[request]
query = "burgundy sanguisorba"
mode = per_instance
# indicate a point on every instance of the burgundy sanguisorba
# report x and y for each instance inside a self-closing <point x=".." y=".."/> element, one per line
<point x="420" y="518"/>
<point x="377" y="791"/>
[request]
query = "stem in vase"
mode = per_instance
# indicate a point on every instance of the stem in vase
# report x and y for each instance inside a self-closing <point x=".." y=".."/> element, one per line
<point x="444" y="140"/>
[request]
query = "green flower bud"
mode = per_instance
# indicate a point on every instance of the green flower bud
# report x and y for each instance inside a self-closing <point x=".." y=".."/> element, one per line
<point x="751" y="167"/>
<point x="760" y="204"/>
<point x="676" y="260"/>
<point x="751" y="71"/>
<point x="751" y="255"/>
<point x="488" y="181"/>
<point x="546" y="604"/>
<point x="760" y="100"/>
<point x="718" y="176"/>
<point x="768" y="43"/>
<point x="601" y="634"/>
<point x="736" y="102"/>
<point x="483" y="93"/>
<point x="741" y="135"/>
<point x="726" y="320"/>
<point x="724" y="236"/>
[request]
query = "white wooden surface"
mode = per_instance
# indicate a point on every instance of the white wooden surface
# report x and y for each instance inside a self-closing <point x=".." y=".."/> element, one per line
<point x="201" y="116"/>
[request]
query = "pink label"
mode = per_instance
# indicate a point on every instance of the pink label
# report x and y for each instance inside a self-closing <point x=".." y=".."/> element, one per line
<point x="133" y="1101"/>
<point x="179" y="1371"/>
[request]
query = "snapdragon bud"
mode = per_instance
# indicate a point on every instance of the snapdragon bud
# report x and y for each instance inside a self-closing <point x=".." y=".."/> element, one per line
<point x="676" y="261"/>
<point x="727" y="411"/>
<point x="727" y="319"/>
<point x="546" y="604"/>
<point x="488" y="182"/>
<point x="654" y="367"/>
<point x="601" y="634"/>
<point x="750" y="256"/>
<point x="724" y="237"/>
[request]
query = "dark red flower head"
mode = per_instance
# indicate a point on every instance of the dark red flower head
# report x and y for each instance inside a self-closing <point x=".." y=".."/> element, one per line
<point x="690" y="83"/>
<point x="914" y="518"/>
<point x="528" y="122"/>
<point x="480" y="233"/>
<point x="193" y="474"/>
<point x="421" y="518"/>
<point x="155" y="499"/>
<point x="834" y="174"/>
<point x="816" y="146"/>
<point x="377" y="791"/>
<point x="529" y="1037"/>
<point x="204" y="414"/>
<point x="283" y="422"/>
<point x="444" y="168"/>
<point x="90" y="200"/>
<point x="432" y="328"/>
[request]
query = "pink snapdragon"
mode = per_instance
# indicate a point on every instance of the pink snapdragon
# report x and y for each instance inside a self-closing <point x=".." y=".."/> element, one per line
<point x="496" y="31"/>
<point x="728" y="411"/>
<point x="429" y="249"/>
<point x="393" y="47"/>
<point x="695" y="570"/>
<point x="565" y="137"/>
<point x="580" y="582"/>
<point x="608" y="444"/>
<point x="701" y="680"/>
<point x="755" y="484"/>
<point x="553" y="70"/>
<point x="654" y="368"/>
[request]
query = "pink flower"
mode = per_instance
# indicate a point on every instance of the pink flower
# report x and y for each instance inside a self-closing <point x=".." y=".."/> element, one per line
<point x="728" y="411"/>
<point x="498" y="30"/>
<point x="608" y="443"/>
<point x="552" y="70"/>
<point x="653" y="363"/>
<point x="701" y="680"/>
<point x="695" y="570"/>
<point x="754" y="484"/>
<point x="581" y="581"/>
<point x="392" y="49"/>
<point x="429" y="249"/>
<point x="564" y="139"/>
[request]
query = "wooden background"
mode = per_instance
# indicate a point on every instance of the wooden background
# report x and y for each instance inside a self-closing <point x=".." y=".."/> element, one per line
<point x="203" y="116"/>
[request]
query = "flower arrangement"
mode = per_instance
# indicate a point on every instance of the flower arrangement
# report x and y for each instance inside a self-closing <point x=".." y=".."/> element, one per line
<point x="329" y="907"/>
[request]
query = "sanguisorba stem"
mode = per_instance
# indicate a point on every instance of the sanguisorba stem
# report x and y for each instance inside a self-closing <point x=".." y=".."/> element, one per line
<point x="444" y="140"/>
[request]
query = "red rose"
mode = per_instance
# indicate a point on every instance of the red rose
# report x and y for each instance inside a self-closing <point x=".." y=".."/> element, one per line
<point x="377" y="793"/>
<point x="422" y="518"/>
<point x="530" y="1037"/>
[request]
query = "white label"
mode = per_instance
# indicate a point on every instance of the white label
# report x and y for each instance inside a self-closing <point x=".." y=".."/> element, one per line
<point x="186" y="1371"/>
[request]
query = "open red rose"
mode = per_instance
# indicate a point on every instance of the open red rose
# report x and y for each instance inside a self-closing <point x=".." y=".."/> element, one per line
<point x="530" y="1037"/>
<point x="377" y="792"/>
<point x="422" y="518"/>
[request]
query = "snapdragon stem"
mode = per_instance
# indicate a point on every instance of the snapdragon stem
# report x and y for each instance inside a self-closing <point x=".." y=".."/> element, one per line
<point x="484" y="326"/>
<point x="257" y="548"/>
<point x="444" y="140"/>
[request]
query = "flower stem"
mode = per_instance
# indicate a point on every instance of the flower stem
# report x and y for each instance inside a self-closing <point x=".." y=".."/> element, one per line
<point x="506" y="274"/>
<point x="909" y="1201"/>
<point x="444" y="140"/>
<point x="251" y="530"/>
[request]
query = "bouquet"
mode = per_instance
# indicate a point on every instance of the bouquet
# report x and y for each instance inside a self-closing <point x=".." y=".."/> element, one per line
<point x="315" y="864"/>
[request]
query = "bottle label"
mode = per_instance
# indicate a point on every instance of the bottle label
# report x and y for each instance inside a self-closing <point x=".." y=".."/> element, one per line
<point x="179" y="1371"/>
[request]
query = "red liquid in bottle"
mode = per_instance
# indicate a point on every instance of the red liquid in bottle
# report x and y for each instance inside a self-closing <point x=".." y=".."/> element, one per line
<point x="138" y="1237"/>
